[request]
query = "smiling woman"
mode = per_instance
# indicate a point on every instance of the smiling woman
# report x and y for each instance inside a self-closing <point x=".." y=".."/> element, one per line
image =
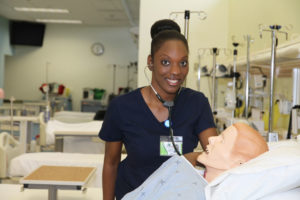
<point x="138" y="119"/>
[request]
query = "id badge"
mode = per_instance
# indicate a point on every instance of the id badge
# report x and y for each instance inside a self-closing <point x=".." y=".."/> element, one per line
<point x="166" y="146"/>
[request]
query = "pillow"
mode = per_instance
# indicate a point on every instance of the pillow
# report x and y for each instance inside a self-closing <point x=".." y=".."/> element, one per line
<point x="274" y="171"/>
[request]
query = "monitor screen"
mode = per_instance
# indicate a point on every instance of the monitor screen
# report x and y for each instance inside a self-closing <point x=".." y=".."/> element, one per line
<point x="26" y="33"/>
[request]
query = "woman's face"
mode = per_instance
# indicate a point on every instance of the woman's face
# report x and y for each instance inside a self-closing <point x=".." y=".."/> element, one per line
<point x="220" y="150"/>
<point x="169" y="67"/>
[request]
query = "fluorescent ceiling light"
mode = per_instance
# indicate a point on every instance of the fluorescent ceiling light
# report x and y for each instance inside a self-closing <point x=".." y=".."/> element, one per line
<point x="46" y="10"/>
<point x="60" y="21"/>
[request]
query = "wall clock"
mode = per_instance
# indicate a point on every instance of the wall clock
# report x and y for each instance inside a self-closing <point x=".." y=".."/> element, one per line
<point x="97" y="49"/>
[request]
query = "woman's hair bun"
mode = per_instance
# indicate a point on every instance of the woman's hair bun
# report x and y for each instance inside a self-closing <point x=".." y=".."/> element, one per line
<point x="162" y="25"/>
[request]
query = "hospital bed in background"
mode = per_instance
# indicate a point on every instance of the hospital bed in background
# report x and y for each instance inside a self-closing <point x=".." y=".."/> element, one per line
<point x="9" y="148"/>
<point x="74" y="117"/>
<point x="72" y="132"/>
<point x="16" y="164"/>
<point x="22" y="165"/>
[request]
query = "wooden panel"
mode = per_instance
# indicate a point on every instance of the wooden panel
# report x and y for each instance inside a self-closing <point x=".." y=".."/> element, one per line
<point x="60" y="173"/>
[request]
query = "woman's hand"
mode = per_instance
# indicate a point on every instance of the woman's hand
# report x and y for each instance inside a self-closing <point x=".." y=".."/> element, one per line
<point x="192" y="157"/>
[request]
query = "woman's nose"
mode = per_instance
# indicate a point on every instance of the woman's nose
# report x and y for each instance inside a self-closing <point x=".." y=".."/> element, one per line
<point x="211" y="140"/>
<point x="175" y="69"/>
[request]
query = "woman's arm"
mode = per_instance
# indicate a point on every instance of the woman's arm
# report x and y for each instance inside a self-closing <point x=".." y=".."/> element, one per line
<point x="192" y="157"/>
<point x="203" y="138"/>
<point x="109" y="174"/>
<point x="204" y="135"/>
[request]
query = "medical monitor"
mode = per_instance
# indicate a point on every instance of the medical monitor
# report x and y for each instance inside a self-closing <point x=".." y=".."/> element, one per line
<point x="26" y="33"/>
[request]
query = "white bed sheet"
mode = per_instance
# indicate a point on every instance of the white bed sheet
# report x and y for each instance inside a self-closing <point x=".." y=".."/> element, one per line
<point x="74" y="117"/>
<point x="55" y="125"/>
<point x="293" y="194"/>
<point x="26" y="163"/>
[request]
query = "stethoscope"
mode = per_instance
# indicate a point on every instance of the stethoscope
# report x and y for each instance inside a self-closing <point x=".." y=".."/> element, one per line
<point x="168" y="123"/>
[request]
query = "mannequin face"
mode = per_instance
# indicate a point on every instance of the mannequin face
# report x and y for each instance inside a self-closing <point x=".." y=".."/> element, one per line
<point x="236" y="145"/>
<point x="220" y="149"/>
<point x="169" y="67"/>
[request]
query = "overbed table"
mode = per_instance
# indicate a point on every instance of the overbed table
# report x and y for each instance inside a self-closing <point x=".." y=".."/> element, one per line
<point x="59" y="137"/>
<point x="58" y="177"/>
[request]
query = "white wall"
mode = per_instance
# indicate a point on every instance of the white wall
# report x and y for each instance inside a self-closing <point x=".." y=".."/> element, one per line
<point x="68" y="51"/>
<point x="246" y="15"/>
<point x="209" y="33"/>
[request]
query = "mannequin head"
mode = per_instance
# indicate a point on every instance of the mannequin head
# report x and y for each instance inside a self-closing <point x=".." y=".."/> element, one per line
<point x="234" y="146"/>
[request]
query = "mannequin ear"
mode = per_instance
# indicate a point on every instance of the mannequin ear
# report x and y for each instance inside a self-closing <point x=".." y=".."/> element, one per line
<point x="150" y="63"/>
<point x="241" y="161"/>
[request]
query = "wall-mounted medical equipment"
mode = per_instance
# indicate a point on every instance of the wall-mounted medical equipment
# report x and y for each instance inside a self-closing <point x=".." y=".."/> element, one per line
<point x="274" y="29"/>
<point x="218" y="70"/>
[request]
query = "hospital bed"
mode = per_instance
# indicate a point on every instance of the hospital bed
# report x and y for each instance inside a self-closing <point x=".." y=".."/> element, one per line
<point x="22" y="165"/>
<point x="74" y="131"/>
<point x="74" y="117"/>
<point x="16" y="164"/>
<point x="9" y="148"/>
<point x="272" y="175"/>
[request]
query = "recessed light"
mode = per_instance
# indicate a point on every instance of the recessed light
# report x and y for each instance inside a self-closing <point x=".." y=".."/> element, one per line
<point x="59" y="21"/>
<point x="46" y="10"/>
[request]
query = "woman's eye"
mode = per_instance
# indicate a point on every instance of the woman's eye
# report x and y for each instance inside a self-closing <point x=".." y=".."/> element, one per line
<point x="165" y="62"/>
<point x="183" y="63"/>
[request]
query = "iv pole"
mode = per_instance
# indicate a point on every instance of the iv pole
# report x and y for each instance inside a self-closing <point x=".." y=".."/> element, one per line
<point x="201" y="52"/>
<point x="247" y="77"/>
<point x="215" y="52"/>
<point x="235" y="53"/>
<point x="199" y="73"/>
<point x="274" y="29"/>
<point x="202" y="15"/>
<point x="48" y="109"/>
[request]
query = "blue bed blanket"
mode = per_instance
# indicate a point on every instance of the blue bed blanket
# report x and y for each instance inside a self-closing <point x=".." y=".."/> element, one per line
<point x="174" y="179"/>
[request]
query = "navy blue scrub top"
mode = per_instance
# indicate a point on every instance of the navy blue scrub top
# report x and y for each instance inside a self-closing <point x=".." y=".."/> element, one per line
<point x="129" y="119"/>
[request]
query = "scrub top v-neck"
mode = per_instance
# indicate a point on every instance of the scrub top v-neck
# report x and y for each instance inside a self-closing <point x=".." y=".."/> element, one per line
<point x="130" y="120"/>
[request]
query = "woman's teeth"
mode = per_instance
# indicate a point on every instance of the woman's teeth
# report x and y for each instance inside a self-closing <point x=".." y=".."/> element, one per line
<point x="172" y="82"/>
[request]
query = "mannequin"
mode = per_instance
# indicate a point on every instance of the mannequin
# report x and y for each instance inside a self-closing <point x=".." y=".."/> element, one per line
<point x="178" y="179"/>
<point x="233" y="147"/>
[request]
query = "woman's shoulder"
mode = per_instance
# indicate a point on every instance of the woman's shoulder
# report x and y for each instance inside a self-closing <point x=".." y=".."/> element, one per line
<point x="188" y="92"/>
<point x="129" y="97"/>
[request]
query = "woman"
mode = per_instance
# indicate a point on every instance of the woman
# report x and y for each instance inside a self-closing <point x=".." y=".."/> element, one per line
<point x="137" y="119"/>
